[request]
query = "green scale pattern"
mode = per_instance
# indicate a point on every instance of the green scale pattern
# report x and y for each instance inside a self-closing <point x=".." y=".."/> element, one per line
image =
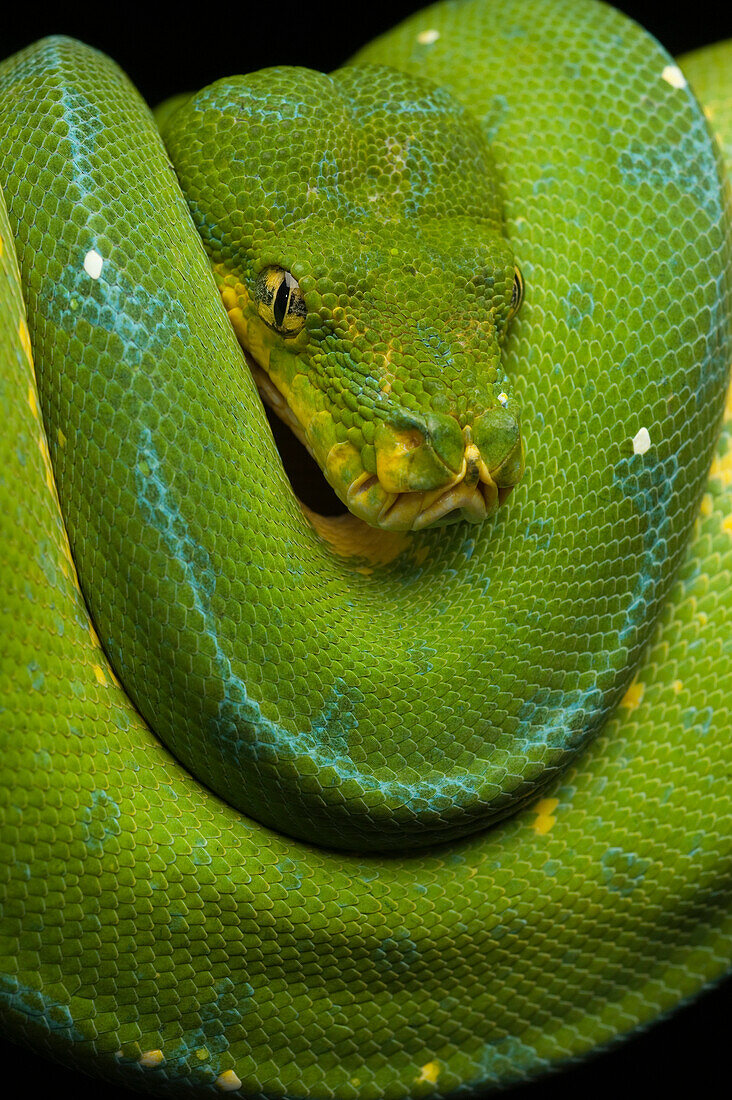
<point x="150" y="931"/>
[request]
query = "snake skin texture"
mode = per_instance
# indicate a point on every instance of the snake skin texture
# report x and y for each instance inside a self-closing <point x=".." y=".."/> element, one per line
<point x="249" y="909"/>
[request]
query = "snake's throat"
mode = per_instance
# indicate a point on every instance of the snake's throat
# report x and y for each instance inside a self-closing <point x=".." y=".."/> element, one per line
<point x="472" y="495"/>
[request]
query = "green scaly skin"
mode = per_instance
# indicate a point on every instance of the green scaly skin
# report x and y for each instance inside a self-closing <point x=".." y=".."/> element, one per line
<point x="331" y="686"/>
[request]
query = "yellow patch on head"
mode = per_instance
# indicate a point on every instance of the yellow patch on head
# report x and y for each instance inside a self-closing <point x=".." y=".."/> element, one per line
<point x="228" y="297"/>
<point x="252" y="334"/>
<point x="634" y="695"/>
<point x="545" y="819"/>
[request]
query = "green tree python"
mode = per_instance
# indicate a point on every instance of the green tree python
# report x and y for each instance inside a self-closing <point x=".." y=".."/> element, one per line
<point x="430" y="796"/>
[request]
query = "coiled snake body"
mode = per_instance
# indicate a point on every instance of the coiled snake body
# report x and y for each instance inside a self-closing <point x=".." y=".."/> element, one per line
<point x="394" y="873"/>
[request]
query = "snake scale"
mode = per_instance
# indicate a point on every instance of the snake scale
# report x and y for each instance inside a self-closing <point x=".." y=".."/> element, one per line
<point x="311" y="806"/>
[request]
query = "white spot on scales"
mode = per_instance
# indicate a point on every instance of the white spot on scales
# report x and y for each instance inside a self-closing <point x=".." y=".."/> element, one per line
<point x="673" y="75"/>
<point x="641" y="442"/>
<point x="93" y="263"/>
<point x="426" y="38"/>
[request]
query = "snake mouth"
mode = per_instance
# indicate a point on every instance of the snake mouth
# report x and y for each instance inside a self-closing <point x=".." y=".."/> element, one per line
<point x="462" y="500"/>
<point x="471" y="495"/>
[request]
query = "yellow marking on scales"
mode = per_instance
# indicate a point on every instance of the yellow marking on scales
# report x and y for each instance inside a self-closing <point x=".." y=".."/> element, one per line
<point x="727" y="525"/>
<point x="151" y="1058"/>
<point x="25" y="341"/>
<point x="68" y="564"/>
<point x="429" y="1072"/>
<point x="428" y="37"/>
<point x="228" y="1081"/>
<point x="545" y="819"/>
<point x="104" y="673"/>
<point x="24" y="337"/>
<point x="42" y="444"/>
<point x="721" y="469"/>
<point x="634" y="695"/>
<point x="33" y="402"/>
<point x="677" y="686"/>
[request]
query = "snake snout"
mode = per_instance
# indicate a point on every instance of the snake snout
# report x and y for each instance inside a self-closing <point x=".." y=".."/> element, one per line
<point x="418" y="454"/>
<point x="434" y="472"/>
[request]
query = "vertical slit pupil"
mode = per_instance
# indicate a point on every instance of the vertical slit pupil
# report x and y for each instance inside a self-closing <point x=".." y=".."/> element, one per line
<point x="281" y="301"/>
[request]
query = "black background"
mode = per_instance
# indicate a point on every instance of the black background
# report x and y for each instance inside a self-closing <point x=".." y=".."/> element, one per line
<point x="166" y="49"/>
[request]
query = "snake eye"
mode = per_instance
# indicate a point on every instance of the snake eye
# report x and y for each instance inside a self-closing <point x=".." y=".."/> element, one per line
<point x="279" y="301"/>
<point x="517" y="294"/>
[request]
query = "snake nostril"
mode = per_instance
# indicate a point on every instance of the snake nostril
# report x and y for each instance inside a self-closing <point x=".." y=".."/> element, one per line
<point x="410" y="440"/>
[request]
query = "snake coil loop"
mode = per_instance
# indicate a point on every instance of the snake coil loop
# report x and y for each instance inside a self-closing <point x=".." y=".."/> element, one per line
<point x="244" y="834"/>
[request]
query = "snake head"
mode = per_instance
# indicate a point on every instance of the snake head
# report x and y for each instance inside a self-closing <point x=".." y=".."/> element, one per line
<point x="355" y="227"/>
